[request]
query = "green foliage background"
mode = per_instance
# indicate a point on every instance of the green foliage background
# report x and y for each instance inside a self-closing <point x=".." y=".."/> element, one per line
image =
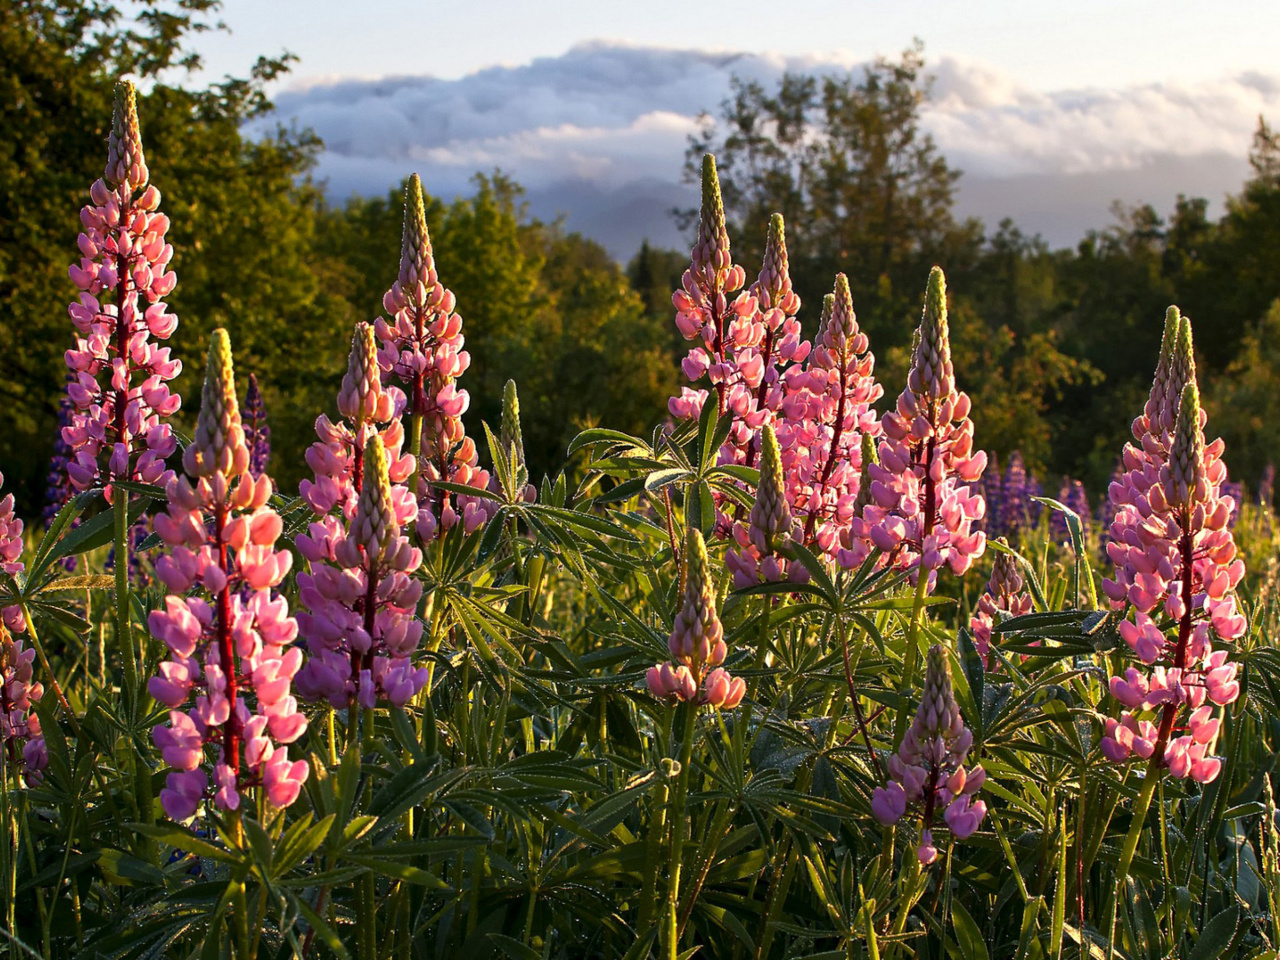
<point x="1054" y="345"/>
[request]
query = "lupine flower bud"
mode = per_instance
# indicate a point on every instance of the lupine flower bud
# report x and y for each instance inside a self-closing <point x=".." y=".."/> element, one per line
<point x="926" y="506"/>
<point x="509" y="436"/>
<point x="870" y="455"/>
<point x="755" y="558"/>
<point x="928" y="770"/>
<point x="256" y="430"/>
<point x="697" y="641"/>
<point x="773" y="287"/>
<point x="1004" y="594"/>
<point x="1174" y="555"/>
<point x="232" y="647"/>
<point x="116" y="431"/>
<point x="125" y="163"/>
<point x="771" y="515"/>
<point x="374" y="523"/>
<point x="932" y="375"/>
<point x="711" y="253"/>
<point x="219" y="444"/>
<point x="1186" y="460"/>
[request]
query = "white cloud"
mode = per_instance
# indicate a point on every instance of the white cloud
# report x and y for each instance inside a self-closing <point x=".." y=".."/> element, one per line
<point x="598" y="130"/>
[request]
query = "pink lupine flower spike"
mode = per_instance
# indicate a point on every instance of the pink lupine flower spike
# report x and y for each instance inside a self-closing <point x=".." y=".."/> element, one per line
<point x="230" y="640"/>
<point x="928" y="772"/>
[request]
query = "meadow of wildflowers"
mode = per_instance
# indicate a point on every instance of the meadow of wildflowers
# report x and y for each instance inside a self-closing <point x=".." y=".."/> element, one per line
<point x="799" y="674"/>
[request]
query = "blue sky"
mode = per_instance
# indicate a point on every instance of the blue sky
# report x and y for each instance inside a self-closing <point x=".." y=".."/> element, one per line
<point x="1052" y="110"/>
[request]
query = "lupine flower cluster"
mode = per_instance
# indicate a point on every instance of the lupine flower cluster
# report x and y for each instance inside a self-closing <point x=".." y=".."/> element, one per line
<point x="1267" y="484"/>
<point x="232" y="648"/>
<point x="57" y="485"/>
<point x="11" y="528"/>
<point x="20" y="736"/>
<point x="1005" y="597"/>
<point x="360" y="598"/>
<point x="925" y="508"/>
<point x="123" y="275"/>
<point x="770" y="525"/>
<point x="697" y="642"/>
<point x="743" y="344"/>
<point x="360" y="630"/>
<point x="827" y="410"/>
<point x="928" y="770"/>
<point x="422" y="349"/>
<point x="257" y="432"/>
<point x="1174" y="555"/>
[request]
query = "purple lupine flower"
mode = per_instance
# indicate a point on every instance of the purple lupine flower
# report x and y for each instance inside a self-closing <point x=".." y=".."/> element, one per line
<point x="138" y="532"/>
<point x="19" y="726"/>
<point x="1234" y="490"/>
<point x="58" y="488"/>
<point x="928" y="769"/>
<point x="257" y="432"/>
<point x="1072" y="495"/>
<point x="1034" y="508"/>
<point x="925" y="494"/>
<point x="1014" y="506"/>
<point x="1266" y="485"/>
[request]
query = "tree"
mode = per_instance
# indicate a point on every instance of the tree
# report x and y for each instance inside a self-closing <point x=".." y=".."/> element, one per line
<point x="864" y="190"/>
<point x="243" y="212"/>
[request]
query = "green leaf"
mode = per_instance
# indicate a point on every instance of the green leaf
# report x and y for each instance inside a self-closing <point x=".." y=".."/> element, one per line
<point x="511" y="947"/>
<point x="93" y="533"/>
<point x="602" y="435"/>
<point x="1215" y="939"/>
<point x="968" y="935"/>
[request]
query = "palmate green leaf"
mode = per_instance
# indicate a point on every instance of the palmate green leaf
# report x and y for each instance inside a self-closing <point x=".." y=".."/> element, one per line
<point x="596" y="435"/>
<point x="657" y="479"/>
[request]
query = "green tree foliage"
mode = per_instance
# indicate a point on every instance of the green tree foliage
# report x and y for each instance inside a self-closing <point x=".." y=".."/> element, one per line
<point x="243" y="213"/>
<point x="863" y="188"/>
<point x="258" y="251"/>
<point x="866" y="192"/>
<point x="547" y="308"/>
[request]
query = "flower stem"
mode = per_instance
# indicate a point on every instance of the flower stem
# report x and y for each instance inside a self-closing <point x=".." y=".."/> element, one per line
<point x="911" y="656"/>
<point x="123" y="634"/>
<point x="1154" y="770"/>
<point x="671" y="930"/>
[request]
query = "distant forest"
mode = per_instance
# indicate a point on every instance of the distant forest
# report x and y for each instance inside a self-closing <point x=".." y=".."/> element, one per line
<point x="1055" y="346"/>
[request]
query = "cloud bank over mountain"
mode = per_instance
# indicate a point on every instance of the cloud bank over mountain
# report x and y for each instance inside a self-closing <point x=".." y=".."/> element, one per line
<point x="599" y="133"/>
